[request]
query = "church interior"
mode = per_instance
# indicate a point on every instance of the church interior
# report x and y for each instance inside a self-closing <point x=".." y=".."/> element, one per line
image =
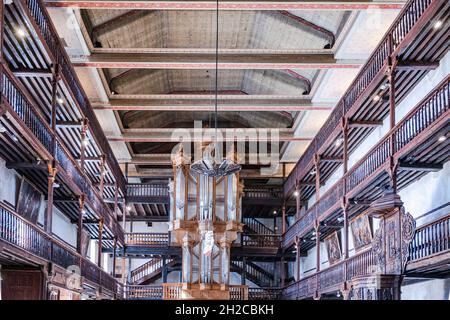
<point x="225" y="150"/>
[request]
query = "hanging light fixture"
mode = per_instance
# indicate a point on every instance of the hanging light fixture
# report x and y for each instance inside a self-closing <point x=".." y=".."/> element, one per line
<point x="211" y="165"/>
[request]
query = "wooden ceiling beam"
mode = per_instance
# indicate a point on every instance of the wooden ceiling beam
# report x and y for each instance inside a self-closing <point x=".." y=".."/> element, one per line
<point x="331" y="159"/>
<point x="362" y="123"/>
<point x="417" y="166"/>
<point x="228" y="5"/>
<point x="172" y="136"/>
<point x="69" y="124"/>
<point x="27" y="165"/>
<point x="205" y="105"/>
<point x="416" y="65"/>
<point x="207" y="61"/>
<point x="33" y="73"/>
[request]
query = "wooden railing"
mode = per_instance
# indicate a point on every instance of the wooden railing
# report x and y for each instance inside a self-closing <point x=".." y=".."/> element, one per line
<point x="22" y="234"/>
<point x="148" y="268"/>
<point x="24" y="109"/>
<point x="238" y="292"/>
<point x="145" y="192"/>
<point x="51" y="41"/>
<point x="140" y="292"/>
<point x="151" y="239"/>
<point x="416" y="123"/>
<point x="261" y="240"/>
<point x="254" y="226"/>
<point x="263" y="192"/>
<point x="265" y="293"/>
<point x="21" y="104"/>
<point x="172" y="291"/>
<point x="331" y="278"/>
<point x="431" y="239"/>
<point x="412" y="12"/>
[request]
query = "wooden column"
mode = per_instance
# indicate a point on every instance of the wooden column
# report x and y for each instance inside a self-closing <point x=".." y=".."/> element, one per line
<point x="54" y="105"/>
<point x="102" y="175"/>
<point x="48" y="219"/>
<point x="244" y="268"/>
<point x="297" y="200"/>
<point x="317" y="168"/>
<point x="84" y="128"/>
<point x="345" y="132"/>
<point x="114" y="257"/>
<point x="297" y="256"/>
<point x="100" y="243"/>
<point x="317" y="230"/>
<point x="164" y="272"/>
<point x="345" y="144"/>
<point x="2" y="29"/>
<point x="282" y="271"/>
<point x="346" y="224"/>
<point x="392" y="164"/>
<point x="81" y="211"/>
<point x="124" y="221"/>
<point x="283" y="208"/>
<point x="116" y="200"/>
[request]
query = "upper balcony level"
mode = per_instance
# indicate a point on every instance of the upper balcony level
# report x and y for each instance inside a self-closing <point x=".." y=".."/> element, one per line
<point x="50" y="128"/>
<point x="413" y="46"/>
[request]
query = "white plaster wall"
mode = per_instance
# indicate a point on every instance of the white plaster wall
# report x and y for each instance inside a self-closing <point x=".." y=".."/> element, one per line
<point x="63" y="229"/>
<point x="436" y="289"/>
<point x="9" y="184"/>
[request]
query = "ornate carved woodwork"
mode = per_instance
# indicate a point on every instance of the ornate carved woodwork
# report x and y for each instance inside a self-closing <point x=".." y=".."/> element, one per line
<point x="375" y="287"/>
<point x="204" y="228"/>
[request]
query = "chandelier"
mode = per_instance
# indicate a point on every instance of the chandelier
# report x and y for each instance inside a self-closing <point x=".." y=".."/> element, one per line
<point x="211" y="165"/>
<point x="213" y="169"/>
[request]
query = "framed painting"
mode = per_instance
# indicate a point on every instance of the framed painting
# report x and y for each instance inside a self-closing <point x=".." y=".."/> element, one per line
<point x="29" y="201"/>
<point x="333" y="248"/>
<point x="361" y="232"/>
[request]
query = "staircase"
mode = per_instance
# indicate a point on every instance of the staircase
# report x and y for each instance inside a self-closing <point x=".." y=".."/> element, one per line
<point x="150" y="271"/>
<point x="253" y="226"/>
<point x="254" y="273"/>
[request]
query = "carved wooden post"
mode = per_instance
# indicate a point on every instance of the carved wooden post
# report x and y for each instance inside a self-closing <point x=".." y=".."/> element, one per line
<point x="390" y="246"/>
<point x="345" y="144"/>
<point x="297" y="257"/>
<point x="317" y="168"/>
<point x="345" y="228"/>
<point x="244" y="269"/>
<point x="225" y="263"/>
<point x="100" y="243"/>
<point x="81" y="211"/>
<point x="84" y="142"/>
<point x="298" y="197"/>
<point x="116" y="200"/>
<point x="186" y="265"/>
<point x="54" y="105"/>
<point x="344" y="198"/>
<point x="114" y="257"/>
<point x="392" y="164"/>
<point x="164" y="272"/>
<point x="317" y="231"/>
<point x="102" y="174"/>
<point x="2" y="29"/>
<point x="48" y="219"/>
